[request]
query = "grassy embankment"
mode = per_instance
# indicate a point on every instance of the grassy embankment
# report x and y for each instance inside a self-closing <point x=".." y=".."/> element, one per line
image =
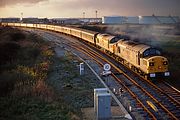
<point x="35" y="84"/>
<point x="171" y="49"/>
<point x="25" y="60"/>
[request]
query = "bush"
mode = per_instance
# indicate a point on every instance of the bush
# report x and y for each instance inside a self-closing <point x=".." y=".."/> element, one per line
<point x="8" y="52"/>
<point x="17" y="36"/>
<point x="27" y="54"/>
<point x="7" y="81"/>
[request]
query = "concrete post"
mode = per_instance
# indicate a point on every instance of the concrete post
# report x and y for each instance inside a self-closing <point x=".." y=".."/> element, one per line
<point x="81" y="69"/>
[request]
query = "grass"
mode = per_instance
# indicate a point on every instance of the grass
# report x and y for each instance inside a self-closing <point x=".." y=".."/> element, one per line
<point x="24" y="67"/>
<point x="35" y="84"/>
<point x="76" y="90"/>
<point x="170" y="46"/>
<point x="32" y="109"/>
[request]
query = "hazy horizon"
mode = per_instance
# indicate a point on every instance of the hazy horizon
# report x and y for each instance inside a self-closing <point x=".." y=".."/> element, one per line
<point x="75" y="8"/>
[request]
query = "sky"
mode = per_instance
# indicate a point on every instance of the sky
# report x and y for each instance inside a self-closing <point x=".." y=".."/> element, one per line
<point x="75" y="8"/>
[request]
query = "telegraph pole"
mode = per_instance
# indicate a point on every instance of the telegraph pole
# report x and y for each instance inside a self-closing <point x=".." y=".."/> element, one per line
<point x="84" y="16"/>
<point x="21" y="16"/>
<point x="96" y="16"/>
<point x="96" y="13"/>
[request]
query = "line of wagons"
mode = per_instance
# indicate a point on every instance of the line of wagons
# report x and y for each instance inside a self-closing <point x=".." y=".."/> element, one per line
<point x="144" y="59"/>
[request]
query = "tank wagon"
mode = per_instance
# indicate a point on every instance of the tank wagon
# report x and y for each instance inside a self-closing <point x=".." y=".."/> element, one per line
<point x="141" y="58"/>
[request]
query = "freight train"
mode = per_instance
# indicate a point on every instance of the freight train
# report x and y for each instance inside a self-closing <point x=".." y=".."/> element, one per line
<point x="143" y="59"/>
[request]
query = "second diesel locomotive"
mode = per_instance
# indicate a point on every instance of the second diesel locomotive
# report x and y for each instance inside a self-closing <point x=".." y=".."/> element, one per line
<point x="144" y="59"/>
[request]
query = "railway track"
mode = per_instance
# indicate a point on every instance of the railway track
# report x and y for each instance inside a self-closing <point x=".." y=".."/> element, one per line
<point x="158" y="112"/>
<point x="144" y="95"/>
<point x="169" y="90"/>
<point x="166" y="96"/>
<point x="160" y="105"/>
<point x="133" y="96"/>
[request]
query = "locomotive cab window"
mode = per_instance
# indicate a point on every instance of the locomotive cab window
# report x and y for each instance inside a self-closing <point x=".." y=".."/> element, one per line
<point x="151" y="52"/>
<point x="115" y="39"/>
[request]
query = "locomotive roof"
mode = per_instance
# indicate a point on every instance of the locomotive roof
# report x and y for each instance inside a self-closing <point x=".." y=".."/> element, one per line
<point x="88" y="31"/>
<point x="138" y="47"/>
<point x="143" y="48"/>
<point x="107" y="37"/>
<point x="76" y="29"/>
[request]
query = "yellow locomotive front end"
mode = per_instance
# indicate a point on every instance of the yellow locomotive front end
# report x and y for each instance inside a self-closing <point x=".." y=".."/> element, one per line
<point x="157" y="66"/>
<point x="145" y="60"/>
<point x="154" y="65"/>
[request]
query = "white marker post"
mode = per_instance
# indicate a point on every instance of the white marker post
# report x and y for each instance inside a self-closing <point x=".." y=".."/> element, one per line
<point x="107" y="72"/>
<point x="81" y="68"/>
<point x="107" y="68"/>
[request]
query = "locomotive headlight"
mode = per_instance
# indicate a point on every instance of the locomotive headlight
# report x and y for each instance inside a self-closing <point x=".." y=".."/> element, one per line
<point x="165" y="63"/>
<point x="167" y="74"/>
<point x="151" y="64"/>
<point x="159" y="67"/>
<point x="152" y="75"/>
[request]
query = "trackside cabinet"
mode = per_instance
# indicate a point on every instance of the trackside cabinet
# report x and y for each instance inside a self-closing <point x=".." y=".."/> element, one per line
<point x="102" y="104"/>
<point x="98" y="91"/>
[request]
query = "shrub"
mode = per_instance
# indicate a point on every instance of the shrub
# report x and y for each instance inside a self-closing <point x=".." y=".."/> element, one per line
<point x="17" y="36"/>
<point x="7" y="81"/>
<point x="8" y="52"/>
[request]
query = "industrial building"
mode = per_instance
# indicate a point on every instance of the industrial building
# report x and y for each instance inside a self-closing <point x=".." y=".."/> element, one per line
<point x="25" y="20"/>
<point x="77" y="20"/>
<point x="132" y="19"/>
<point x="30" y="20"/>
<point x="140" y="19"/>
<point x="146" y="20"/>
<point x="9" y="19"/>
<point x="167" y="20"/>
<point x="113" y="20"/>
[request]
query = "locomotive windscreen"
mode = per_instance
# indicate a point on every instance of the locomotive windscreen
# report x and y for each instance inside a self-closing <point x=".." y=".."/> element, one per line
<point x="115" y="39"/>
<point x="151" y="52"/>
